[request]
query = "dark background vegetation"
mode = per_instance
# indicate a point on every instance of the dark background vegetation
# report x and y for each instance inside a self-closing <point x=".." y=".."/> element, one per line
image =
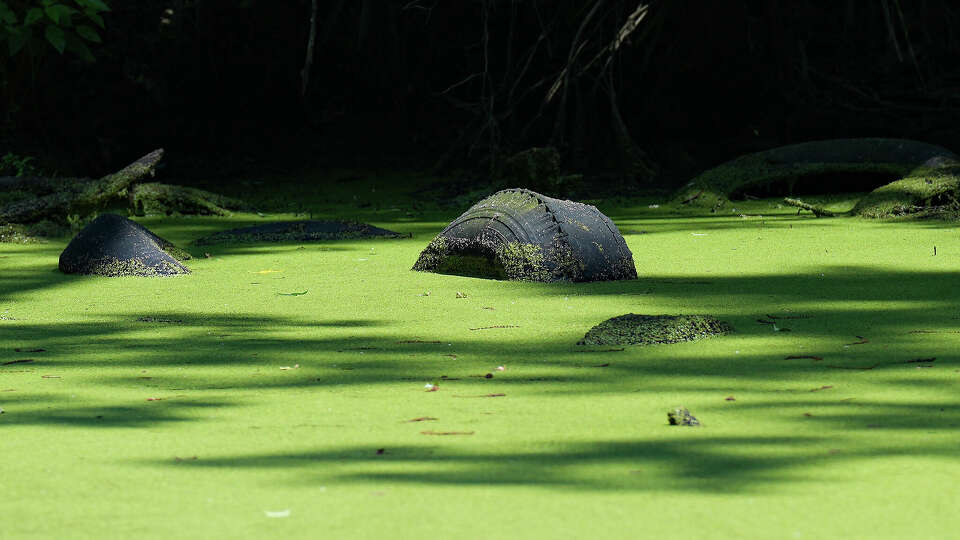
<point x="646" y="97"/>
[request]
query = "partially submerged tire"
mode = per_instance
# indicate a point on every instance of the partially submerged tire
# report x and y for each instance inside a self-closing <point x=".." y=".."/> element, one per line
<point x="517" y="234"/>
<point x="797" y="165"/>
<point x="633" y="329"/>
<point x="297" y="231"/>
<point x="113" y="245"/>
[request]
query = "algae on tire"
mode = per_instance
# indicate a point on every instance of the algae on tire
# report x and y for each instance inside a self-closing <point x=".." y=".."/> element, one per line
<point x="113" y="245"/>
<point x="517" y="234"/>
<point x="297" y="231"/>
<point x="633" y="329"/>
<point x="891" y="159"/>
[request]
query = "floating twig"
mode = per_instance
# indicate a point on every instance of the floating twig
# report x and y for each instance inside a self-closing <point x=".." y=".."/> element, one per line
<point x="817" y="210"/>
<point x="21" y="361"/>
<point x="859" y="368"/>
<point x="693" y="198"/>
<point x="497" y="326"/>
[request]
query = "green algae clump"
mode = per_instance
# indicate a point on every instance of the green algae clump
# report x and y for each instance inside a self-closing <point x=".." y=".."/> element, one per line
<point x="512" y="261"/>
<point x="632" y="329"/>
<point x="523" y="262"/>
<point x="681" y="417"/>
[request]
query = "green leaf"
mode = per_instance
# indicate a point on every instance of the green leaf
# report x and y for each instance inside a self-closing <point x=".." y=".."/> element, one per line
<point x="79" y="48"/>
<point x="18" y="38"/>
<point x="59" y="14"/>
<point x="97" y="5"/>
<point x="56" y="37"/>
<point x="33" y="15"/>
<point x="53" y="13"/>
<point x="88" y="33"/>
<point x="6" y="14"/>
<point x="98" y="20"/>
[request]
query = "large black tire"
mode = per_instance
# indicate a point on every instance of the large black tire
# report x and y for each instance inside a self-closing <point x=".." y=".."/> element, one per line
<point x="113" y="245"/>
<point x="518" y="234"/>
<point x="798" y="164"/>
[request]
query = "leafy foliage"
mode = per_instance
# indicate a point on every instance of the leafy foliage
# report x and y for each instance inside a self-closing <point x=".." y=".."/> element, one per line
<point x="16" y="165"/>
<point x="63" y="25"/>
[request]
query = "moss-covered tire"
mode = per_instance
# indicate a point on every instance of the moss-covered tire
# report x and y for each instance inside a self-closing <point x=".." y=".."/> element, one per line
<point x="297" y="231"/>
<point x="799" y="163"/>
<point x="113" y="245"/>
<point x="633" y="329"/>
<point x="518" y="234"/>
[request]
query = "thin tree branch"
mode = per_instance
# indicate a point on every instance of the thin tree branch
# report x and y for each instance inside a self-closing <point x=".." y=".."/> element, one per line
<point x="308" y="61"/>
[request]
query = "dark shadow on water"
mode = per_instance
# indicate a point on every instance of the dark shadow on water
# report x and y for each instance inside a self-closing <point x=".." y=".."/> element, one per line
<point x="697" y="462"/>
<point x="384" y="353"/>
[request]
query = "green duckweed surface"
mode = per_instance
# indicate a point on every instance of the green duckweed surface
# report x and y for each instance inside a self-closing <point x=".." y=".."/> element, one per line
<point x="217" y="405"/>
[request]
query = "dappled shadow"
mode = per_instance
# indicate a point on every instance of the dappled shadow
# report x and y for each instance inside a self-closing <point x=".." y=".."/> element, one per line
<point x="701" y="463"/>
<point x="693" y="462"/>
<point x="143" y="414"/>
<point x="903" y="318"/>
<point x="31" y="277"/>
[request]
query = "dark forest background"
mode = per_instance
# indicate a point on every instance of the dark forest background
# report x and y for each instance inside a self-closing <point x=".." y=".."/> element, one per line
<point x="645" y="92"/>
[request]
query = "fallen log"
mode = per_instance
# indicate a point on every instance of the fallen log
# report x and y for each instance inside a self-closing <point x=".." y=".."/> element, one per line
<point x="164" y="199"/>
<point x="817" y="211"/>
<point x="81" y="198"/>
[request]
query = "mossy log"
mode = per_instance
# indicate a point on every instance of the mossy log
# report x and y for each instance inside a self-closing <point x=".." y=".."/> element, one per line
<point x="80" y="198"/>
<point x="166" y="199"/>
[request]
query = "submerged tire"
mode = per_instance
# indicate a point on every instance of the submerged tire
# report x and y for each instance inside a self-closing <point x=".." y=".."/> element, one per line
<point x="518" y="234"/>
<point x="297" y="231"/>
<point x="798" y="165"/>
<point x="633" y="329"/>
<point x="113" y="245"/>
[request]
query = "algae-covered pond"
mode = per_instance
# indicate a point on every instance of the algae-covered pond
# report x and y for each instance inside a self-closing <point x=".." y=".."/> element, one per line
<point x="281" y="389"/>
